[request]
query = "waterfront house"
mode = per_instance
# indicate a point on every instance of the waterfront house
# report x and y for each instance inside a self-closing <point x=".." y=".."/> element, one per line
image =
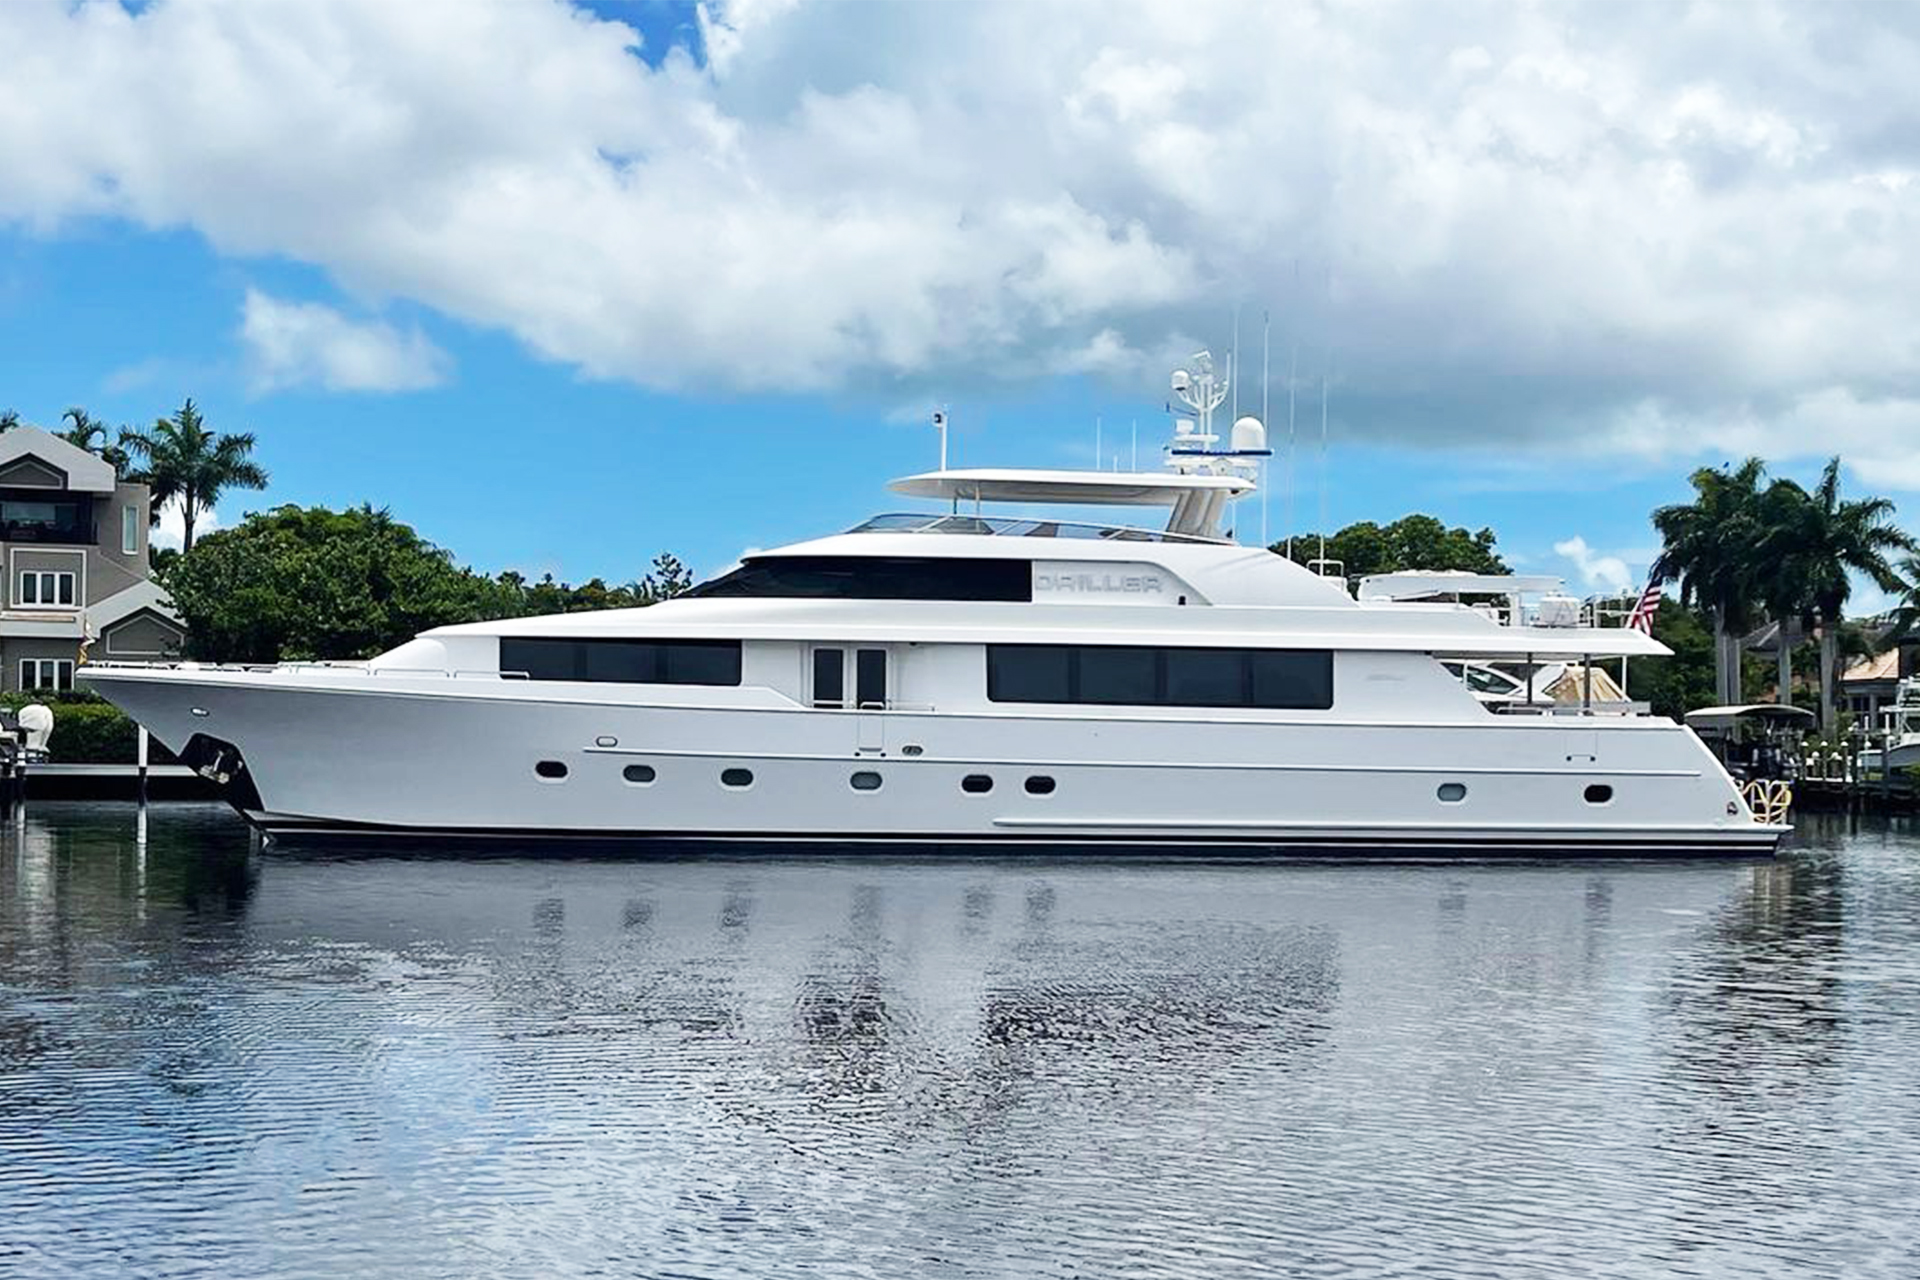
<point x="1868" y="686"/>
<point x="74" y="536"/>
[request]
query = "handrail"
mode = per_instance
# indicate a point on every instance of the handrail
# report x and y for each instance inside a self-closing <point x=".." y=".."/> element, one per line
<point x="1020" y="527"/>
<point x="1770" y="799"/>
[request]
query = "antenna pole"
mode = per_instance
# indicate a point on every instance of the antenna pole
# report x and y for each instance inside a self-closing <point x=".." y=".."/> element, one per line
<point x="1233" y="359"/>
<point x="1293" y="378"/>
<point x="940" y="425"/>
<point x="1325" y="357"/>
<point x="1266" y="463"/>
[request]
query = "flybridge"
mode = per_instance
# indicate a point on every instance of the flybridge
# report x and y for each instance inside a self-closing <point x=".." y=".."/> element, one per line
<point x="1199" y="481"/>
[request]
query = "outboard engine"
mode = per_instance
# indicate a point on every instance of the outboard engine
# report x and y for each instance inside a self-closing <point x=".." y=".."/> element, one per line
<point x="36" y="728"/>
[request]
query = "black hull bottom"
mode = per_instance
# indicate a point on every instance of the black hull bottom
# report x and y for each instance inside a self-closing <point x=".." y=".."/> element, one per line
<point x="1400" y="848"/>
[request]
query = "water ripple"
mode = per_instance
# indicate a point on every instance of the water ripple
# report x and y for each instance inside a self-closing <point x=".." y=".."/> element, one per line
<point x="218" y="1060"/>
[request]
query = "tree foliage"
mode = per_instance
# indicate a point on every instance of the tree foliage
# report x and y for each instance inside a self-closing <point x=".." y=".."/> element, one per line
<point x="1742" y="549"/>
<point x="1411" y="542"/>
<point x="89" y="433"/>
<point x="309" y="583"/>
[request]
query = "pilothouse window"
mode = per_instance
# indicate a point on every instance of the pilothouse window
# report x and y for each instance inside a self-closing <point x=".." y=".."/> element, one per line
<point x="623" y="661"/>
<point x="876" y="578"/>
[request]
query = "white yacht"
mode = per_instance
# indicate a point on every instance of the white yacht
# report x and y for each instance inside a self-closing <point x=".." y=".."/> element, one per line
<point x="954" y="680"/>
<point x="1900" y="730"/>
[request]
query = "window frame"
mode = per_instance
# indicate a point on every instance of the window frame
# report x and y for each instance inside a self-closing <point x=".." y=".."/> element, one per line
<point x="62" y="675"/>
<point x="48" y="583"/>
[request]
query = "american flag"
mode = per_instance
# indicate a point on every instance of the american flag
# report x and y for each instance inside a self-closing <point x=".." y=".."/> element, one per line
<point x="1641" y="619"/>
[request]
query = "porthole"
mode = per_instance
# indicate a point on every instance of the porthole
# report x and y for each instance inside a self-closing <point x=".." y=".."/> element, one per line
<point x="1039" y="785"/>
<point x="865" y="780"/>
<point x="1452" y="792"/>
<point x="736" y="777"/>
<point x="1599" y="793"/>
<point x="606" y="740"/>
<point x="976" y="784"/>
<point x="639" y="774"/>
<point x="551" y="770"/>
<point x="912" y="749"/>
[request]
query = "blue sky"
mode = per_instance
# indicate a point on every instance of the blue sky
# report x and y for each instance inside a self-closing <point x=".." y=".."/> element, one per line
<point x="517" y="461"/>
<point x="582" y="291"/>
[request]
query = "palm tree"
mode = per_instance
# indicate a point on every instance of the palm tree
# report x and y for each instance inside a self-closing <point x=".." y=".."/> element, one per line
<point x="1906" y="614"/>
<point x="1713" y="544"/>
<point x="83" y="429"/>
<point x="185" y="461"/>
<point x="9" y="419"/>
<point x="1826" y="541"/>
<point x="1784" y="589"/>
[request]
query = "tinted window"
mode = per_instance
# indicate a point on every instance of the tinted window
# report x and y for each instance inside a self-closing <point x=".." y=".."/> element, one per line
<point x="1292" y="678"/>
<point x="623" y="661"/>
<point x="1115" y="675"/>
<point x="876" y="578"/>
<point x="1029" y="673"/>
<point x="829" y="677"/>
<point x="1119" y="676"/>
<point x="699" y="662"/>
<point x="1205" y="677"/>
<point x="870" y="677"/>
<point x="617" y="663"/>
<point x="976" y="784"/>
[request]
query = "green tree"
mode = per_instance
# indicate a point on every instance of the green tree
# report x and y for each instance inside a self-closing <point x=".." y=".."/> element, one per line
<point x="1906" y="611"/>
<point x="184" y="460"/>
<point x="1712" y="543"/>
<point x="1823" y="542"/>
<point x="309" y="583"/>
<point x="1412" y="542"/>
<point x="302" y="583"/>
<point x="1782" y="581"/>
<point x="1676" y="684"/>
<point x="93" y="436"/>
<point x="9" y="419"/>
<point x="667" y="579"/>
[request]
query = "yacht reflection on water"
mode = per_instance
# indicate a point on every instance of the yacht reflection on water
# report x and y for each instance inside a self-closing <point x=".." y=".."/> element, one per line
<point x="795" y="1058"/>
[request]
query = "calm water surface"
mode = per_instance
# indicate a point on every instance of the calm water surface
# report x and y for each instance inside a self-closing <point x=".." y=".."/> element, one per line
<point x="222" y="1060"/>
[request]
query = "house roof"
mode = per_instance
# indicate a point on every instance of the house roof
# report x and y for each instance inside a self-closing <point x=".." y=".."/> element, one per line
<point x="145" y="594"/>
<point x="1882" y="666"/>
<point x="85" y="472"/>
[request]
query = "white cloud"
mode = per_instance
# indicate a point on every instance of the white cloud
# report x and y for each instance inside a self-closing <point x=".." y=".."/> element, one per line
<point x="1674" y="231"/>
<point x="1597" y="572"/>
<point x="172" y="529"/>
<point x="306" y="344"/>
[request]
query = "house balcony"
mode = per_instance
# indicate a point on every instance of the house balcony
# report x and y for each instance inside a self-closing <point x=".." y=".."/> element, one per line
<point x="51" y="533"/>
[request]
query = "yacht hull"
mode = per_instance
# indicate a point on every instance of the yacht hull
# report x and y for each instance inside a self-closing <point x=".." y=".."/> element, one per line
<point x="360" y="757"/>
